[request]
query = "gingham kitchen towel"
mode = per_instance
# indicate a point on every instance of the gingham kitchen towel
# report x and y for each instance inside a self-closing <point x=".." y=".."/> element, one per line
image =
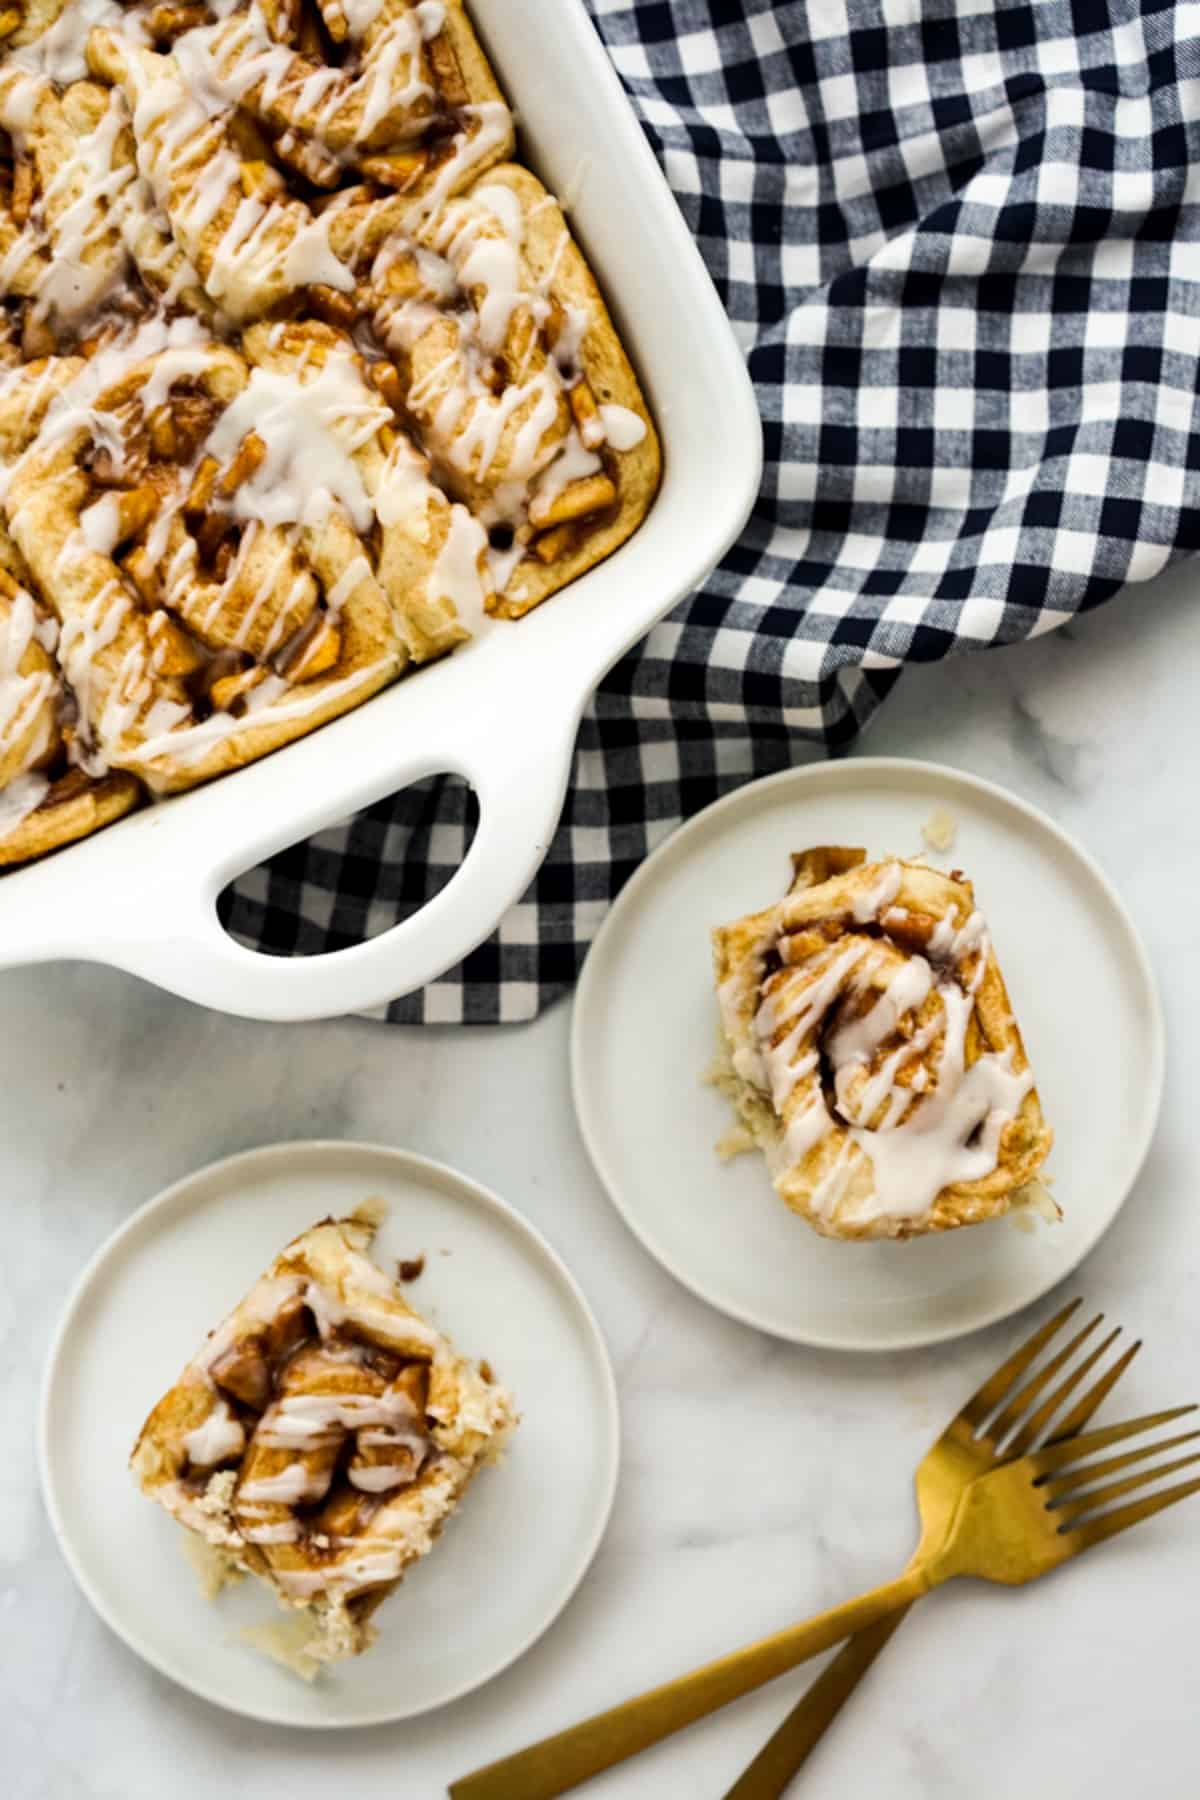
<point x="960" y="243"/>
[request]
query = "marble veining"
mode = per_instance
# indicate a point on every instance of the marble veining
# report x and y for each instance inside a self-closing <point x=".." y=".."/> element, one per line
<point x="110" y="1089"/>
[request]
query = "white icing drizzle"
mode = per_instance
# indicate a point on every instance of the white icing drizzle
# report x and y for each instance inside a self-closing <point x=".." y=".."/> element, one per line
<point x="59" y="52"/>
<point x="403" y="491"/>
<point x="371" y="1567"/>
<point x="237" y="62"/>
<point x="456" y="575"/>
<point x="74" y="287"/>
<point x="486" y="128"/>
<point x="360" y="14"/>
<point x="318" y="1421"/>
<point x="289" y="1487"/>
<point x="27" y="698"/>
<point x="311" y="429"/>
<point x="265" y="1301"/>
<point x="353" y="574"/>
<point x="572" y="463"/>
<point x="431" y="16"/>
<point x="265" y="249"/>
<point x="19" y="95"/>
<point x="20" y="798"/>
<point x="216" y="1439"/>
<point x="501" y="565"/>
<point x="408" y="1451"/>
<point x="954" y="1134"/>
<point x="272" y="699"/>
<point x="101" y="524"/>
<point x="278" y="1531"/>
<point x="623" y="428"/>
<point x="383" y="1322"/>
<point x="950" y="942"/>
<point x="909" y="988"/>
<point x="870" y="903"/>
<point x="179" y="347"/>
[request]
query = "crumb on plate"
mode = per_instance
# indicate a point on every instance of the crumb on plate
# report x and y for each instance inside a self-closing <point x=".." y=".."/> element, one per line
<point x="940" y="829"/>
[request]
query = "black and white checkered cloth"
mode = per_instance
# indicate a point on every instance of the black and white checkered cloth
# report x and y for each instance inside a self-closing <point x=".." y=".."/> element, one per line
<point x="960" y="243"/>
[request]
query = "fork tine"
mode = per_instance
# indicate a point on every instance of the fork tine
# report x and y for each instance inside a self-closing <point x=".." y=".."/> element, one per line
<point x="1037" y="1421"/>
<point x="1058" y="1486"/>
<point x="987" y="1398"/>
<point x="1004" y="1422"/>
<point x="1094" y="1531"/>
<point x="1062" y="1453"/>
<point x="1089" y="1403"/>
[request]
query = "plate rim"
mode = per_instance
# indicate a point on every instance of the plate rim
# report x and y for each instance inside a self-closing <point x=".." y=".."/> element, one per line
<point x="837" y="771"/>
<point x="410" y="1162"/>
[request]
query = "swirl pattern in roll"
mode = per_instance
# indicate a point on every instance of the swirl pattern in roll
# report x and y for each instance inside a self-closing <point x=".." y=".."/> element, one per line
<point x="320" y="1439"/>
<point x="872" y="1052"/>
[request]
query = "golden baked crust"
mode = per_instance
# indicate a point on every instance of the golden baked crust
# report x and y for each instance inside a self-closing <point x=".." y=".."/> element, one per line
<point x="302" y="380"/>
<point x="321" y="1438"/>
<point x="69" y="809"/>
<point x="872" y="1052"/>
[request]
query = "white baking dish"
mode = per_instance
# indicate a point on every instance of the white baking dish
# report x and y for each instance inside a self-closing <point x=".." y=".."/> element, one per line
<point x="503" y="711"/>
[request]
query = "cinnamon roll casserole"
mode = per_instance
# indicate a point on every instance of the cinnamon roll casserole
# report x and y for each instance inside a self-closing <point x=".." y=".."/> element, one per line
<point x="302" y="379"/>
<point x="870" y="1050"/>
<point x="320" y="1439"/>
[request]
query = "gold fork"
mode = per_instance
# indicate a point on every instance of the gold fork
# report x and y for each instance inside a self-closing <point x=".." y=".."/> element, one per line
<point x="1002" y="1530"/>
<point x="969" y="1447"/>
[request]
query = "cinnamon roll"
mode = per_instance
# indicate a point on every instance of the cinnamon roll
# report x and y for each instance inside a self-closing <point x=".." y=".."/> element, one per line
<point x="197" y="536"/>
<point x="45" y="802"/>
<point x="78" y="229"/>
<point x="513" y="378"/>
<point x="321" y="1438"/>
<point x="871" y="1050"/>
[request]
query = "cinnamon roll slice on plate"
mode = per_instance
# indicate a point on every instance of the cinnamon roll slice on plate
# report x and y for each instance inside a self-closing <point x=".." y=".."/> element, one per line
<point x="320" y="1439"/>
<point x="872" y="1051"/>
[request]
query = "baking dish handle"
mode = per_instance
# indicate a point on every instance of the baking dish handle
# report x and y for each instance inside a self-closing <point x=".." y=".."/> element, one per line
<point x="520" y="790"/>
<point x="166" y="927"/>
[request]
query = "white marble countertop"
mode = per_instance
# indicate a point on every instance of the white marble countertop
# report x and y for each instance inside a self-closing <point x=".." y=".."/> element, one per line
<point x="790" y="1487"/>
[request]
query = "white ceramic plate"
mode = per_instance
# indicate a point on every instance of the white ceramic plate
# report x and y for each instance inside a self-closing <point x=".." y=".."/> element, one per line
<point x="645" y="1029"/>
<point x="527" y="1530"/>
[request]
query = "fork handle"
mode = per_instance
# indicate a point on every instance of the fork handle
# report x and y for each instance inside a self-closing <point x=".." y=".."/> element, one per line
<point x="562" y="1761"/>
<point x="784" y="1754"/>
